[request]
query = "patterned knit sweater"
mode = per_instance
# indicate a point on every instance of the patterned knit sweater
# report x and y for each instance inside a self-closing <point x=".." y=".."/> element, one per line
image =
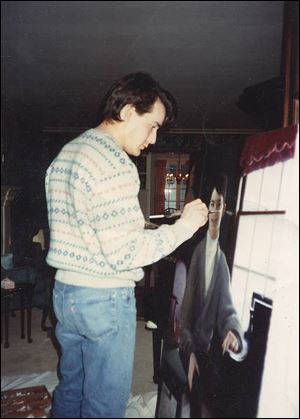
<point x="97" y="234"/>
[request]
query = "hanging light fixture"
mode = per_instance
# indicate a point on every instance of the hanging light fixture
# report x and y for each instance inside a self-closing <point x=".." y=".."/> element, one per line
<point x="185" y="178"/>
<point x="170" y="178"/>
<point x="178" y="176"/>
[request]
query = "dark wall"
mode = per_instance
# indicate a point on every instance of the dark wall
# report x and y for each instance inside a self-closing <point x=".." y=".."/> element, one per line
<point x="27" y="157"/>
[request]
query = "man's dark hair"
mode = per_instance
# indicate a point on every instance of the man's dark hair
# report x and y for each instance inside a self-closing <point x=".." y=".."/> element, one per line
<point x="220" y="183"/>
<point x="140" y="90"/>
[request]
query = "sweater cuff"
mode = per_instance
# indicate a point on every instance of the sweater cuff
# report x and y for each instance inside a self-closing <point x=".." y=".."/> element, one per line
<point x="183" y="231"/>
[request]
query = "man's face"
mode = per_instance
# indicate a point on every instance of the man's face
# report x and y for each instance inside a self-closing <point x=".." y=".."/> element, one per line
<point x="141" y="130"/>
<point x="216" y="204"/>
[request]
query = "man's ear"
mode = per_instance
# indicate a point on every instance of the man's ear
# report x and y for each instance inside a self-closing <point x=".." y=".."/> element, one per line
<point x="126" y="112"/>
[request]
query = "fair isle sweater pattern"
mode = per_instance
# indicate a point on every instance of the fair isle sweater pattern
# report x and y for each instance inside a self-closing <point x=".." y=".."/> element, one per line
<point x="96" y="223"/>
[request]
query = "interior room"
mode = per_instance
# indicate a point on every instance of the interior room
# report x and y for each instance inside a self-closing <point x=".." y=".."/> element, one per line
<point x="233" y="67"/>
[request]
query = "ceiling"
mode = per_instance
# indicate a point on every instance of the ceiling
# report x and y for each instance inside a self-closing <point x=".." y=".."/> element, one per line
<point x="59" y="57"/>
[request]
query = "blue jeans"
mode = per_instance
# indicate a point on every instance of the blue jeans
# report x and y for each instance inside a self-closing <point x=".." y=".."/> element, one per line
<point x="96" y="331"/>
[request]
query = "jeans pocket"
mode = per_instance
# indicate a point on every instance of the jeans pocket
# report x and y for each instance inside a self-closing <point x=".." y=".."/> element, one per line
<point x="95" y="318"/>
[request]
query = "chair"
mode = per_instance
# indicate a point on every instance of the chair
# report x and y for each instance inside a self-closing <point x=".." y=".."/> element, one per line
<point x="172" y="388"/>
<point x="35" y="259"/>
<point x="18" y="298"/>
<point x="33" y="286"/>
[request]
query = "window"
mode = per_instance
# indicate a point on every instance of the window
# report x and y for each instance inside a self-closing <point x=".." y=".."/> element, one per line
<point x="175" y="184"/>
<point x="268" y="233"/>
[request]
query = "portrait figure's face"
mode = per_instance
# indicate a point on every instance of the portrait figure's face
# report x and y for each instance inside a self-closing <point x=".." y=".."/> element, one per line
<point x="217" y="204"/>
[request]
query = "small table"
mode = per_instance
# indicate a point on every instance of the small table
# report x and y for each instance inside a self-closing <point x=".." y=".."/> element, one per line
<point x="25" y="291"/>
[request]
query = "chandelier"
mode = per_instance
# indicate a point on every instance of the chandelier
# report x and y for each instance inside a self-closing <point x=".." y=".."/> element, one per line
<point x="177" y="176"/>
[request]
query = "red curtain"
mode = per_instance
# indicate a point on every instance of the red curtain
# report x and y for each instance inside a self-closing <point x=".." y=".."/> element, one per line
<point x="267" y="148"/>
<point x="160" y="178"/>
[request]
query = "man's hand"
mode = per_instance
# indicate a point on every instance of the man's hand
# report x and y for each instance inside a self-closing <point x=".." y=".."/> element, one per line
<point x="230" y="342"/>
<point x="195" y="213"/>
<point x="193" y="365"/>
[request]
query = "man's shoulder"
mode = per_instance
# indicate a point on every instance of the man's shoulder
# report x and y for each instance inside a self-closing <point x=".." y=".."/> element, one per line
<point x="93" y="146"/>
<point x="89" y="137"/>
<point x="100" y="143"/>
